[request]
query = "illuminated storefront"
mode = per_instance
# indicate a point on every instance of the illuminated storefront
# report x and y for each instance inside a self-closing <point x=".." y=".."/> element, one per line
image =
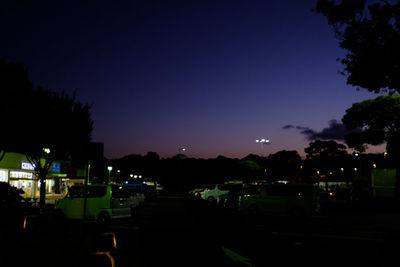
<point x="3" y="176"/>
<point x="19" y="172"/>
<point x="23" y="180"/>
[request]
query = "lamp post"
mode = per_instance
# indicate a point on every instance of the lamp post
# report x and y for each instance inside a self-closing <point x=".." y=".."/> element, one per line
<point x="181" y="152"/>
<point x="180" y="168"/>
<point x="262" y="142"/>
<point x="109" y="168"/>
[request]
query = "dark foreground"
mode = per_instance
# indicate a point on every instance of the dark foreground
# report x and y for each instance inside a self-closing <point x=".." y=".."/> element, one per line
<point x="179" y="231"/>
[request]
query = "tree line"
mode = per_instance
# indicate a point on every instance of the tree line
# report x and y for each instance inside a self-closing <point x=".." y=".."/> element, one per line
<point x="325" y="160"/>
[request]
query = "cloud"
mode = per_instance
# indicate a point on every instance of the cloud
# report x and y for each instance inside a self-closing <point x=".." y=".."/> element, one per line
<point x="335" y="131"/>
<point x="287" y="127"/>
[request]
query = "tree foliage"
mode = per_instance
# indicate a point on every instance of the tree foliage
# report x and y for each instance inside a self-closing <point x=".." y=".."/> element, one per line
<point x="326" y="158"/>
<point x="374" y="122"/>
<point x="36" y="118"/>
<point x="283" y="164"/>
<point x="325" y="149"/>
<point x="370" y="32"/>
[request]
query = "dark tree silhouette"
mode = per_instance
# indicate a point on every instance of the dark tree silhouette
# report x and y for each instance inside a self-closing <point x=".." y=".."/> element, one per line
<point x="15" y="90"/>
<point x="325" y="149"/>
<point x="326" y="157"/>
<point x="283" y="164"/>
<point x="370" y="32"/>
<point x="376" y="121"/>
<point x="44" y="125"/>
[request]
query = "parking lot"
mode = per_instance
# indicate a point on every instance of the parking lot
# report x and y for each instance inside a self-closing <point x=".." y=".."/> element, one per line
<point x="182" y="231"/>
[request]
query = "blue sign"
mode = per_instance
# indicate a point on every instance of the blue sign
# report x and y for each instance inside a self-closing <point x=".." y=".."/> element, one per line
<point x="56" y="167"/>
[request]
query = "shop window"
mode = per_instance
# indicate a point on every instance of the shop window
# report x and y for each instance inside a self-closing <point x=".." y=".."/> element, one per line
<point x="3" y="176"/>
<point x="21" y="175"/>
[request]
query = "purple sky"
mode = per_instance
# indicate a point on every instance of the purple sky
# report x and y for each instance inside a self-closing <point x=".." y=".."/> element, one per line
<point x="210" y="76"/>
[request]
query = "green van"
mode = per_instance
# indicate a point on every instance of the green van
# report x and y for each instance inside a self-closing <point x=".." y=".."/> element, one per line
<point x="289" y="199"/>
<point x="103" y="202"/>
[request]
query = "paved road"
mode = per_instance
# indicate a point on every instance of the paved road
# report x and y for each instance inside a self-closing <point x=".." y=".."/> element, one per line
<point x="183" y="232"/>
<point x="179" y="231"/>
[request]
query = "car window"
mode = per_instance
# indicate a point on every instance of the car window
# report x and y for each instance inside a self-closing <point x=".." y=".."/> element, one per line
<point x="209" y="187"/>
<point x="120" y="192"/>
<point x="96" y="191"/>
<point x="137" y="188"/>
<point x="223" y="187"/>
<point x="230" y="187"/>
<point x="92" y="191"/>
<point x="133" y="190"/>
<point x="76" y="191"/>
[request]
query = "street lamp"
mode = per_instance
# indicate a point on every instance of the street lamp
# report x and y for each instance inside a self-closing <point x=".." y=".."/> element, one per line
<point x="109" y="168"/>
<point x="262" y="142"/>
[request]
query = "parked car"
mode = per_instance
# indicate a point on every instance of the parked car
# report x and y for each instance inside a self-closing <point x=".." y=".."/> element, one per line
<point x="198" y="191"/>
<point x="231" y="199"/>
<point x="103" y="202"/>
<point x="293" y="199"/>
<point x="213" y="193"/>
<point x="138" y="191"/>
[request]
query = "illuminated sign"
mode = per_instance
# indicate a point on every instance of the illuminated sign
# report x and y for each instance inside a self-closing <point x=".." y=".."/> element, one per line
<point x="56" y="167"/>
<point x="27" y="166"/>
<point x="23" y="175"/>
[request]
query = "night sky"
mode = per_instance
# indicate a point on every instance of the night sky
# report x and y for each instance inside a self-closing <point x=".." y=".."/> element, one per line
<point x="210" y="76"/>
